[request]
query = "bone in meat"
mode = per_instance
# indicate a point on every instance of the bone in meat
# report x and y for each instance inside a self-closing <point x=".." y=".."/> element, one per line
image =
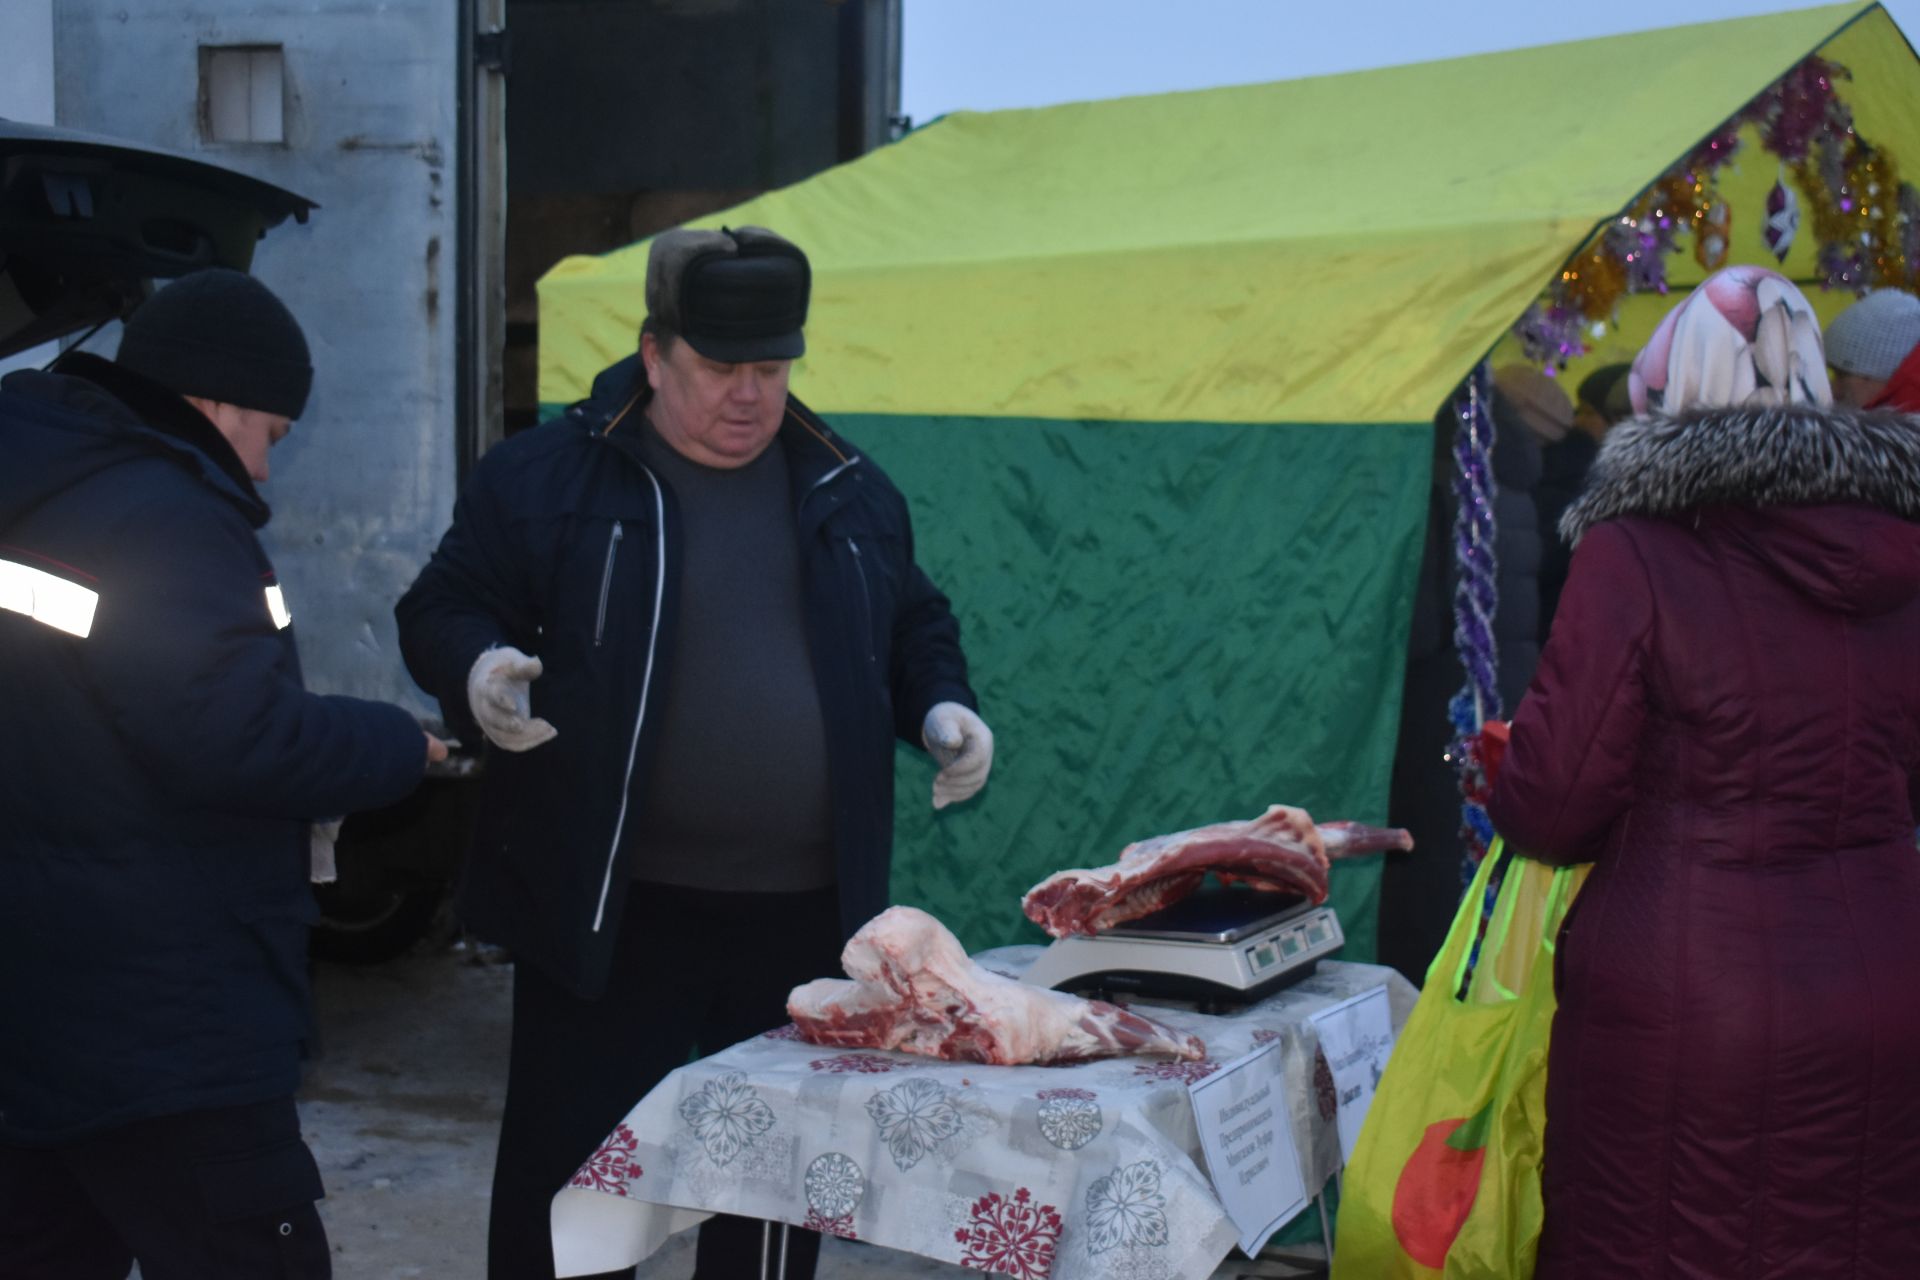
<point x="1280" y="851"/>
<point x="913" y="988"/>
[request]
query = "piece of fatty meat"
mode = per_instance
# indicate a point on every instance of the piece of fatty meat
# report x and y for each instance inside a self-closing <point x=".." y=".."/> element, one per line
<point x="1281" y="851"/>
<point x="911" y="987"/>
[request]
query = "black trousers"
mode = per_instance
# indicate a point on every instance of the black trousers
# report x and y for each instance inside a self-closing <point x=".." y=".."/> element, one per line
<point x="226" y="1194"/>
<point x="693" y="972"/>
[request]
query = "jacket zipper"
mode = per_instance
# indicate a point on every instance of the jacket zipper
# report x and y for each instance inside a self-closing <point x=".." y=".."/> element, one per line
<point x="866" y="593"/>
<point x="606" y="582"/>
<point x="646" y="686"/>
<point x="815" y="486"/>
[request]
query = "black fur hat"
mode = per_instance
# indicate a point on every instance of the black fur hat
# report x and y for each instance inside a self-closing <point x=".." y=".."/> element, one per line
<point x="735" y="295"/>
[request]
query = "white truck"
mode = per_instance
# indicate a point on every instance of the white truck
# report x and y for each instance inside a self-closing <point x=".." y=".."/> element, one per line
<point x="413" y="282"/>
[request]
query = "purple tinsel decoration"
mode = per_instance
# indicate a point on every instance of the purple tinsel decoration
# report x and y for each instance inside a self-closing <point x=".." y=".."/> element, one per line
<point x="1719" y="148"/>
<point x="1802" y="109"/>
<point x="1643" y="248"/>
<point x="1551" y="335"/>
<point x="1844" y="267"/>
<point x="1475" y="599"/>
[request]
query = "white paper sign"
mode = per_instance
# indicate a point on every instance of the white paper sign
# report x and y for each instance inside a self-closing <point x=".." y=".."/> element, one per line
<point x="1241" y="1110"/>
<point x="1356" y="1035"/>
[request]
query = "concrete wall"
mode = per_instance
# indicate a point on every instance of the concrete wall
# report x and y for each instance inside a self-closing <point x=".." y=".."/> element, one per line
<point x="26" y="61"/>
<point x="26" y="95"/>
<point x="365" y="484"/>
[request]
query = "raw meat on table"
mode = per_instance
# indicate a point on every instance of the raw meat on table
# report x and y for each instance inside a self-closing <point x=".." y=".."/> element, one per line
<point x="913" y="988"/>
<point x="1280" y="851"/>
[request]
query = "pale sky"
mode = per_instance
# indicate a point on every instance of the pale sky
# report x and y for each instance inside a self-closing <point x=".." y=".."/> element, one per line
<point x="982" y="55"/>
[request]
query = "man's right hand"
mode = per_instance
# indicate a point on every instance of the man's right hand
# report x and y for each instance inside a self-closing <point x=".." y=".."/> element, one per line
<point x="436" y="749"/>
<point x="498" y="693"/>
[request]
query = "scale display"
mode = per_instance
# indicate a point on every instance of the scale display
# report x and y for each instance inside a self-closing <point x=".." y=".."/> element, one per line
<point x="1221" y="945"/>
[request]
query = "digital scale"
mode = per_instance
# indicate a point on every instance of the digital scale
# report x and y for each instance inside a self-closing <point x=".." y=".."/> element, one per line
<point x="1218" y="946"/>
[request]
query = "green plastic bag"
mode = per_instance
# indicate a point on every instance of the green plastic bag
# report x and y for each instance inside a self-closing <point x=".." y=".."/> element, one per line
<point x="1445" y="1177"/>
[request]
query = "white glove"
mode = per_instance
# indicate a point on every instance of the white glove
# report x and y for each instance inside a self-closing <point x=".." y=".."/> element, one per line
<point x="497" y="690"/>
<point x="320" y="840"/>
<point x="963" y="745"/>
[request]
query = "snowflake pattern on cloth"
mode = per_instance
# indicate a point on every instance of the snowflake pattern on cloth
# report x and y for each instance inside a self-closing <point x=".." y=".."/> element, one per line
<point x="848" y="1063"/>
<point x="1138" y="1264"/>
<point x="788" y="1032"/>
<point x="835" y="1186"/>
<point x="1125" y="1208"/>
<point x="914" y="1117"/>
<point x="1011" y="1237"/>
<point x="1185" y="1072"/>
<point x="725" y="1115"/>
<point x="1069" y="1118"/>
<point x="612" y="1167"/>
<point x="768" y="1158"/>
<point x="1265" y="1035"/>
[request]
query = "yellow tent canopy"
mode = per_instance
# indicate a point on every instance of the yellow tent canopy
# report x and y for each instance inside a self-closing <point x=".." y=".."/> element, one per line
<point x="1338" y="249"/>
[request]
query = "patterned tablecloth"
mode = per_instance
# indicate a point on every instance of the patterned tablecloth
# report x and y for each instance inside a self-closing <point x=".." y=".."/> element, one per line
<point x="1072" y="1172"/>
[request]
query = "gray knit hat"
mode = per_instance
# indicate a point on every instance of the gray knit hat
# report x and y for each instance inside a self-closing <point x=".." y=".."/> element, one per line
<point x="1871" y="337"/>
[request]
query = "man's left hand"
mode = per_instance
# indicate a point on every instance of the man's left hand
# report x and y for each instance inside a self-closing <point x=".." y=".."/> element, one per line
<point x="963" y="745"/>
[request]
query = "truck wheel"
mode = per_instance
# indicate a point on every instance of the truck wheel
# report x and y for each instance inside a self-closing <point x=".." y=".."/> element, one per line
<point x="394" y="867"/>
<point x="374" y="927"/>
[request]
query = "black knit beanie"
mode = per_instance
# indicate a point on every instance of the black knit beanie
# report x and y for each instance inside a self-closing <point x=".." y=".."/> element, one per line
<point x="221" y="335"/>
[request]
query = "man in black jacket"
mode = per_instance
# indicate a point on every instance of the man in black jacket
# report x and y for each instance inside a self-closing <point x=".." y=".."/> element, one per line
<point x="159" y="768"/>
<point x="690" y="615"/>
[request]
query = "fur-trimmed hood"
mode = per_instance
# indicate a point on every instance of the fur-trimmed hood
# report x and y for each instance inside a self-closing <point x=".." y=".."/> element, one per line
<point x="1831" y="498"/>
<point x="1771" y="456"/>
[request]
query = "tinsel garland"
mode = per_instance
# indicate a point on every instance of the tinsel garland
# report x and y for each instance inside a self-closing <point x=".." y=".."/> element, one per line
<point x="1866" y="220"/>
<point x="1475" y="598"/>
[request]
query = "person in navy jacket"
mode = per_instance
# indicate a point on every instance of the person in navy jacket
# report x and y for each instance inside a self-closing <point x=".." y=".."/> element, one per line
<point x="160" y="766"/>
<point x="690" y="616"/>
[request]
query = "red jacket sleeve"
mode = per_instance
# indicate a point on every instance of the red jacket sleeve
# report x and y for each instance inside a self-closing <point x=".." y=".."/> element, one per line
<point x="1568" y="771"/>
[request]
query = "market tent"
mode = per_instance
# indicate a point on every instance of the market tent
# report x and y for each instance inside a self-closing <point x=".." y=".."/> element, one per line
<point x="1158" y="373"/>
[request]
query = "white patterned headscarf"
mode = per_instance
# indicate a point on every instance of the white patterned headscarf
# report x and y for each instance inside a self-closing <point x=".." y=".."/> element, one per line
<point x="1746" y="336"/>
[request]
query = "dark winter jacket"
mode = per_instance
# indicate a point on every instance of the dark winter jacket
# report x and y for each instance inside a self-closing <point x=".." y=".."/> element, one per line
<point x="1563" y="474"/>
<point x="159" y="764"/>
<point x="1727" y="723"/>
<point x="564" y="545"/>
<point x="1420" y="889"/>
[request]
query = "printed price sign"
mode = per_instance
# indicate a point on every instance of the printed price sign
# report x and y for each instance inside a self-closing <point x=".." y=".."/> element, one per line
<point x="1241" y="1110"/>
<point x="1356" y="1035"/>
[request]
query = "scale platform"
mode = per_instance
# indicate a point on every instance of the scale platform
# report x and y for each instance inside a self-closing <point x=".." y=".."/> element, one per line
<point x="1221" y="945"/>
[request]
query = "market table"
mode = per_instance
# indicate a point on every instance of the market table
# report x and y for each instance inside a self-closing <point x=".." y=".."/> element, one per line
<point x="1069" y="1172"/>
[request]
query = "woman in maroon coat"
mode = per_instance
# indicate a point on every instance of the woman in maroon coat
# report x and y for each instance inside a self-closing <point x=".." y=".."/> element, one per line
<point x="1726" y="722"/>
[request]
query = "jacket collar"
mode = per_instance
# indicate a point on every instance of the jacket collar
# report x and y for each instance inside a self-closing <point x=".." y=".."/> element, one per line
<point x="1771" y="456"/>
<point x="146" y="408"/>
<point x="619" y="398"/>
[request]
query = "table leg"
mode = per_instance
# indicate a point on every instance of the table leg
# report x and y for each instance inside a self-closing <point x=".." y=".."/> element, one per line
<point x="767" y="1254"/>
<point x="1326" y="1226"/>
